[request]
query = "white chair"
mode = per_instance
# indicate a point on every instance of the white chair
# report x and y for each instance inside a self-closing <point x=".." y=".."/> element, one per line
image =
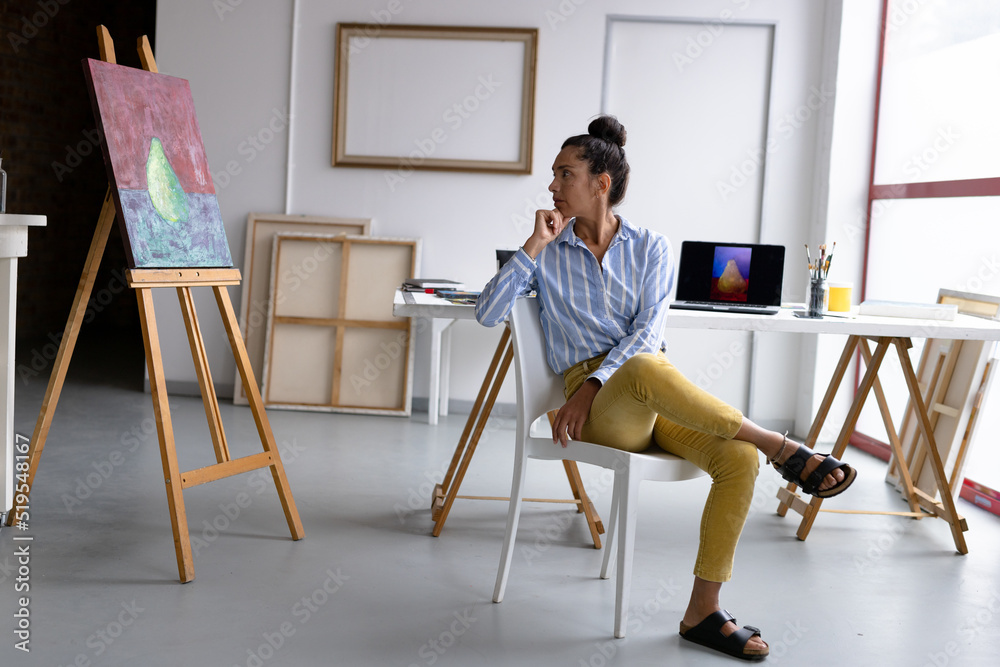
<point x="540" y="390"/>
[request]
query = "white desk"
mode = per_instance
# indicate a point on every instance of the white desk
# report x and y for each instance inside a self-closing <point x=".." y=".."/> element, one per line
<point x="886" y="332"/>
<point x="13" y="244"/>
<point x="439" y="314"/>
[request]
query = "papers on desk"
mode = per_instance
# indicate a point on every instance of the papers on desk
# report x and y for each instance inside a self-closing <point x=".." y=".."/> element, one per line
<point x="458" y="296"/>
<point x="430" y="285"/>
<point x="920" y="311"/>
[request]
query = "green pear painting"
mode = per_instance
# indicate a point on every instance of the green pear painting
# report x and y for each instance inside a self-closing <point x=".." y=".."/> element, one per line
<point x="166" y="201"/>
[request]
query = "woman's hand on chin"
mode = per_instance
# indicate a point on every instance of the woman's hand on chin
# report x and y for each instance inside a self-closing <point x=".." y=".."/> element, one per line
<point x="549" y="224"/>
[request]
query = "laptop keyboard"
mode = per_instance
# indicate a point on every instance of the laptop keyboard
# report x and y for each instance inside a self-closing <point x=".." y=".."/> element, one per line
<point x="727" y="305"/>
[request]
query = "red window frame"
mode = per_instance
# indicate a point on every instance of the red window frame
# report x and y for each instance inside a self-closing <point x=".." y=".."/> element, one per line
<point x="979" y="187"/>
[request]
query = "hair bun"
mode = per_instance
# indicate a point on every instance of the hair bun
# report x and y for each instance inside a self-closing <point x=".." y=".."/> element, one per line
<point x="609" y="129"/>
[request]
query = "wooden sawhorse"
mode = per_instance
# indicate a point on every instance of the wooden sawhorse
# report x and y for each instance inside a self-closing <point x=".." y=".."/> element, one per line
<point x="446" y="492"/>
<point x="921" y="504"/>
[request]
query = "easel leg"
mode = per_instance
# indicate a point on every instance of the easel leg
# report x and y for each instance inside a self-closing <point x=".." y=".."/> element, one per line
<point x="890" y="429"/>
<point x="165" y="432"/>
<point x="252" y="393"/>
<point x="445" y="493"/>
<point x="200" y="358"/>
<point x="66" y="344"/>
<point x="483" y="416"/>
<point x="824" y="410"/>
<point x="585" y="504"/>
<point x="848" y="428"/>
<point x="441" y="490"/>
<point x="924" y="423"/>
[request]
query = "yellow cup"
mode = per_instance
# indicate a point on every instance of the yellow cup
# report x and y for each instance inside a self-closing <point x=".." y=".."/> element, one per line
<point x="840" y="296"/>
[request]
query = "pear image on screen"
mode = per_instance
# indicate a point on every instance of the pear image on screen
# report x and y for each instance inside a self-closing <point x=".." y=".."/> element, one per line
<point x="165" y="190"/>
<point x="731" y="281"/>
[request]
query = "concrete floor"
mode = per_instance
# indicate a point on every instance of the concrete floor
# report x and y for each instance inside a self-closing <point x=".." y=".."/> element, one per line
<point x="370" y="586"/>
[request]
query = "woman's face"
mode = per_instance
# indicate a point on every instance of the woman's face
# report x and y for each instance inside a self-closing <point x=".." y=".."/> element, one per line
<point x="575" y="192"/>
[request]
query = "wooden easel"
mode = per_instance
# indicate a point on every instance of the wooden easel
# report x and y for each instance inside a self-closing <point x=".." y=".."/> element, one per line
<point x="144" y="281"/>
<point x="446" y="492"/>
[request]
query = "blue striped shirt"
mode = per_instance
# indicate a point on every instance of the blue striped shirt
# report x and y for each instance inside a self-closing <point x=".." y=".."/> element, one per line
<point x="586" y="311"/>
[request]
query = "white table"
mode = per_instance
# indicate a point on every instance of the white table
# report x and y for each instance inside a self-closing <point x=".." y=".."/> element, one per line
<point x="13" y="244"/>
<point x="439" y="314"/>
<point x="886" y="332"/>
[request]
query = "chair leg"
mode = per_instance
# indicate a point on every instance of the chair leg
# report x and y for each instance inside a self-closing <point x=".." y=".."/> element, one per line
<point x="611" y="537"/>
<point x="628" y="499"/>
<point x="513" y="516"/>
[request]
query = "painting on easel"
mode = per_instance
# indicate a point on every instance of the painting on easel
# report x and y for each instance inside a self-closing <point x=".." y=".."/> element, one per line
<point x="156" y="160"/>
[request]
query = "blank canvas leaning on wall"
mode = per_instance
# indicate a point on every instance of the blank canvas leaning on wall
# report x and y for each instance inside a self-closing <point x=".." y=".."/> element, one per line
<point x="332" y="341"/>
<point x="955" y="376"/>
<point x="261" y="228"/>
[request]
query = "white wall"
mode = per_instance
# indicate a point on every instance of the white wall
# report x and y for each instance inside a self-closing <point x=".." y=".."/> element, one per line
<point x="239" y="66"/>
<point x="237" y="63"/>
<point x="841" y="191"/>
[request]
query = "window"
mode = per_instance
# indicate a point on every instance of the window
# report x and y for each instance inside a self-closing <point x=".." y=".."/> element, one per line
<point x="934" y="196"/>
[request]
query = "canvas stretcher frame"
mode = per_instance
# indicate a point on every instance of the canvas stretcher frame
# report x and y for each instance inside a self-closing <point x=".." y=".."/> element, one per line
<point x="261" y="228"/>
<point x="332" y="342"/>
<point x="955" y="377"/>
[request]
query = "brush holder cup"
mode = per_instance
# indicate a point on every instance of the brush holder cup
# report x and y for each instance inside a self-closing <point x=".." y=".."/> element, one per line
<point x="818" y="300"/>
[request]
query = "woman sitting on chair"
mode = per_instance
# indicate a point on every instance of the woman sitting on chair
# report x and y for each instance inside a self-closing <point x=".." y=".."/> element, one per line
<point x="603" y="287"/>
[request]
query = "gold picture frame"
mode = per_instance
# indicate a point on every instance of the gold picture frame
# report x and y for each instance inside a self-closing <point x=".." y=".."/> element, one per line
<point x="452" y="98"/>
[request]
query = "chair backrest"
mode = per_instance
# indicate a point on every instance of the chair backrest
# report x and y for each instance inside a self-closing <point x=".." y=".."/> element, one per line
<point x="539" y="389"/>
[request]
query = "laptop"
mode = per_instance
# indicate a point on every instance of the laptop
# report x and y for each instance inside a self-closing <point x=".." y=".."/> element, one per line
<point x="730" y="277"/>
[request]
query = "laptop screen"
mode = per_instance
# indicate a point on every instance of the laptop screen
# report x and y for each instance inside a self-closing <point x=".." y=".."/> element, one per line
<point x="730" y="273"/>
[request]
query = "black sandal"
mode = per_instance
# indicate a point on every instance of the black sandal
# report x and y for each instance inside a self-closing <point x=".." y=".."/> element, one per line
<point x="791" y="471"/>
<point x="708" y="633"/>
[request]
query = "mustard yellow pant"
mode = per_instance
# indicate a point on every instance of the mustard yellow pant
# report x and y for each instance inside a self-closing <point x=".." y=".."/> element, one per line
<point x="647" y="400"/>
